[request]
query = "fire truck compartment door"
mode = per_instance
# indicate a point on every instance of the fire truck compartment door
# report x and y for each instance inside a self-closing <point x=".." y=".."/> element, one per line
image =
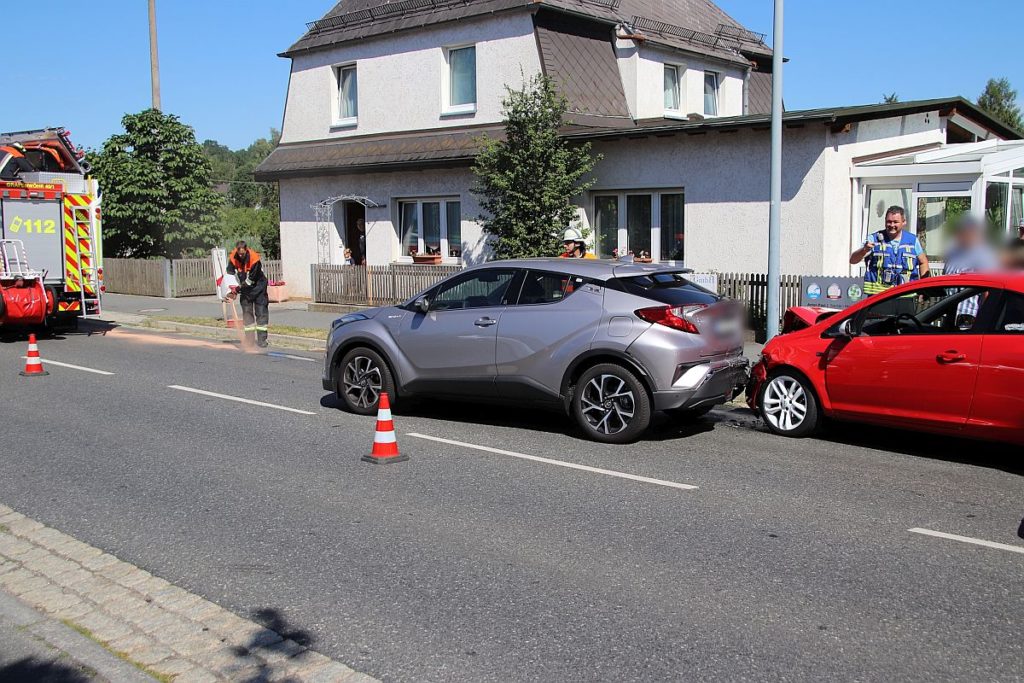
<point x="39" y="225"/>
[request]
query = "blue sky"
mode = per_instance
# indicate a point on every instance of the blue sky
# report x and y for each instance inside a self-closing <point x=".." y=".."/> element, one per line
<point x="220" y="71"/>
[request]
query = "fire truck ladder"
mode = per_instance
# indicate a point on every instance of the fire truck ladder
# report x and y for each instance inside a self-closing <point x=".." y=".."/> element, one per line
<point x="86" y="228"/>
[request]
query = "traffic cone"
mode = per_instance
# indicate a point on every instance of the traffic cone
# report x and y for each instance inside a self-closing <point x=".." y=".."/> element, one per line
<point x="385" y="445"/>
<point x="33" y="363"/>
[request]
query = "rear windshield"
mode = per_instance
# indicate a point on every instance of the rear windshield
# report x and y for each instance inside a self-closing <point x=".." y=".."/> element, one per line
<point x="668" y="288"/>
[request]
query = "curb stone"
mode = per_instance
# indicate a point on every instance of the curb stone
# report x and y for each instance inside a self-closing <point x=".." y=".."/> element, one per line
<point x="160" y="628"/>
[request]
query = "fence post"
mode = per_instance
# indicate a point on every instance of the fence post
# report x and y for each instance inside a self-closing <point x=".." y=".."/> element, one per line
<point x="168" y="280"/>
<point x="313" y="284"/>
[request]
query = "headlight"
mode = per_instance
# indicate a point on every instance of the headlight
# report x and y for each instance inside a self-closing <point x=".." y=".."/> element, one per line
<point x="347" y="318"/>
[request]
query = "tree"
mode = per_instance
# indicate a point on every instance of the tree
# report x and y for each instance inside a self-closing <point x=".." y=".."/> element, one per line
<point x="526" y="182"/>
<point x="891" y="98"/>
<point x="1000" y="100"/>
<point x="157" y="197"/>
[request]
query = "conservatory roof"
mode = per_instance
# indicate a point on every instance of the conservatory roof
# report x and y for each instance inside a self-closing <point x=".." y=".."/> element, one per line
<point x="989" y="157"/>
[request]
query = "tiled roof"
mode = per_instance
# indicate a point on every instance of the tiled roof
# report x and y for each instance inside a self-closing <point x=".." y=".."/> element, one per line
<point x="582" y="63"/>
<point x="448" y="147"/>
<point x="693" y="25"/>
<point x="375" y="152"/>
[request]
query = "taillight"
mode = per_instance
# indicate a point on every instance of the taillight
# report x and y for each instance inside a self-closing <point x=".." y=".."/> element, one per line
<point x="676" y="317"/>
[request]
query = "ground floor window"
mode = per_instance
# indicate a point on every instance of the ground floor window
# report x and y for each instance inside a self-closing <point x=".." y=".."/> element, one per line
<point x="430" y="226"/>
<point x="646" y="224"/>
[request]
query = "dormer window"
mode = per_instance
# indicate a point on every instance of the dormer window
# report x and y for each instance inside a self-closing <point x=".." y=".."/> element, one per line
<point x="710" y="93"/>
<point x="460" y="95"/>
<point x="673" y="100"/>
<point x="348" y="95"/>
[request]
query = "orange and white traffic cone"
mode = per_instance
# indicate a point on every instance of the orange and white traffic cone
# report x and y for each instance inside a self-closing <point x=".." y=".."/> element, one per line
<point x="385" y="445"/>
<point x="33" y="363"/>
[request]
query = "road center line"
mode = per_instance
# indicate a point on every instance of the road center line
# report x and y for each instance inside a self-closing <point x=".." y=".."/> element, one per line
<point x="239" y="400"/>
<point x="560" y="463"/>
<point x="47" y="361"/>
<point x="968" y="539"/>
<point x="277" y="354"/>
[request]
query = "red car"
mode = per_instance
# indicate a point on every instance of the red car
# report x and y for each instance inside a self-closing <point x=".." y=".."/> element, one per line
<point x="943" y="354"/>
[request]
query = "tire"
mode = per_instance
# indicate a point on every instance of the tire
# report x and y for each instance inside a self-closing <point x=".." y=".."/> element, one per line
<point x="361" y="377"/>
<point x="688" y="414"/>
<point x="788" y="405"/>
<point x="610" y="404"/>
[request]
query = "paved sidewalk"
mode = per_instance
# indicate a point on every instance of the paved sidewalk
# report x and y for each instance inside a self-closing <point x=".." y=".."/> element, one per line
<point x="163" y="632"/>
<point x="291" y="313"/>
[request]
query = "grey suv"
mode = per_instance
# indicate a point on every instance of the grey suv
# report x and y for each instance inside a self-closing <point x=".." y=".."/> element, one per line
<point x="609" y="342"/>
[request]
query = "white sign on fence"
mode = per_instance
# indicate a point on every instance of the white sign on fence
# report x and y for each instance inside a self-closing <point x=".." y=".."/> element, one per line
<point x="222" y="278"/>
<point x="705" y="280"/>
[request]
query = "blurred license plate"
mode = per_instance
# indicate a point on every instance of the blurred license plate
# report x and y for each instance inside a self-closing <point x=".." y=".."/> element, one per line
<point x="725" y="327"/>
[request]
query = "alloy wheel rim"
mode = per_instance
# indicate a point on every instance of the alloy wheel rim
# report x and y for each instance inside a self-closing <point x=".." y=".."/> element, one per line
<point x="363" y="382"/>
<point x="608" y="404"/>
<point x="785" y="403"/>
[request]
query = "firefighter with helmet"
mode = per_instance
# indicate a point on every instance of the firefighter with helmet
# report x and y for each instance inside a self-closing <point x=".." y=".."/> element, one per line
<point x="575" y="246"/>
<point x="13" y="162"/>
<point x="245" y="264"/>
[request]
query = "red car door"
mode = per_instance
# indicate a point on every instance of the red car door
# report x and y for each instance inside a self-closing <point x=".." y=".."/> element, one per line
<point x="998" y="408"/>
<point x="914" y="362"/>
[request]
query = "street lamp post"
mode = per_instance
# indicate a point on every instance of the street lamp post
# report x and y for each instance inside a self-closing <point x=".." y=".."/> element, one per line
<point x="775" y="214"/>
<point x="154" y="62"/>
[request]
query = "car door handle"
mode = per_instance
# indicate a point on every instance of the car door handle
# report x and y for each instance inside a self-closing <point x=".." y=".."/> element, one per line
<point x="485" y="322"/>
<point x="951" y="356"/>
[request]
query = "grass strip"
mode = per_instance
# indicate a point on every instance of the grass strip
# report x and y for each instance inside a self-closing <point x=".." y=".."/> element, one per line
<point x="163" y="678"/>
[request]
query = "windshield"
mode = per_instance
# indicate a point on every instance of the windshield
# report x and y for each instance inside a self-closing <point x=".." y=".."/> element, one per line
<point x="669" y="288"/>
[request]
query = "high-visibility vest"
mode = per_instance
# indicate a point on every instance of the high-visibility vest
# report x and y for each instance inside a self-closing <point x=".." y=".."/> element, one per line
<point x="890" y="263"/>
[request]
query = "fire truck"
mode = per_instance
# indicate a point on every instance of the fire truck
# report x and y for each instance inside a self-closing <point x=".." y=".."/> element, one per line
<point x="51" y="270"/>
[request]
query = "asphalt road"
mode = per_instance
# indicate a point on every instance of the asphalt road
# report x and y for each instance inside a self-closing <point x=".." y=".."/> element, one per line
<point x="790" y="560"/>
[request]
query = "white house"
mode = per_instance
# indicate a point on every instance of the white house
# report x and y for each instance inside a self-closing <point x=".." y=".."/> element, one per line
<point x="386" y="103"/>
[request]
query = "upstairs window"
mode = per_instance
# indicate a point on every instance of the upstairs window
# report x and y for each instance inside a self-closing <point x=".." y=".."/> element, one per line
<point x="461" y="95"/>
<point x="348" y="95"/>
<point x="673" y="102"/>
<point x="710" y="93"/>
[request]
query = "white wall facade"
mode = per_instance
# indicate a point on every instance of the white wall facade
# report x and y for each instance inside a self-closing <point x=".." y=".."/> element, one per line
<point x="402" y="79"/>
<point x="299" y="245"/>
<point x="642" y="69"/>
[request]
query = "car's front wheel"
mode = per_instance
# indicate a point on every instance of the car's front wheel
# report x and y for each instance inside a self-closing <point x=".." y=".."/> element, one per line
<point x="362" y="377"/>
<point x="610" y="404"/>
<point x="788" y="404"/>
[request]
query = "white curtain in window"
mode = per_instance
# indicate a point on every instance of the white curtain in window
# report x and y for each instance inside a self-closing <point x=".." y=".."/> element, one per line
<point x="671" y="88"/>
<point x="409" y="227"/>
<point x="710" y="94"/>
<point x="348" y="90"/>
<point x="462" y="70"/>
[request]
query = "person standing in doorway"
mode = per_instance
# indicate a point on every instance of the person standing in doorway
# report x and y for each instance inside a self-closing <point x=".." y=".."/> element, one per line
<point x="361" y="229"/>
<point x="891" y="256"/>
<point x="244" y="263"/>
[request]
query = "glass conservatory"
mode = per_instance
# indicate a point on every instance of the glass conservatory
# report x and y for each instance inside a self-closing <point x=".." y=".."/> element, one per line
<point x="938" y="185"/>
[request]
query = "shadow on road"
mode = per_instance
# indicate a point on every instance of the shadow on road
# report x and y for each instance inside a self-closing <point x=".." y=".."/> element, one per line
<point x="663" y="427"/>
<point x="87" y="328"/>
<point x="261" y="644"/>
<point x="30" y="670"/>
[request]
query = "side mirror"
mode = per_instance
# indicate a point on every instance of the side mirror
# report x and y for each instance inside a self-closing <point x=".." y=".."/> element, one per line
<point x="846" y="329"/>
<point x="423" y="304"/>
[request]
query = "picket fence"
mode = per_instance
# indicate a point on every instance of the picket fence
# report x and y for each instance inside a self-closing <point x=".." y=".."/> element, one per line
<point x="167" y="278"/>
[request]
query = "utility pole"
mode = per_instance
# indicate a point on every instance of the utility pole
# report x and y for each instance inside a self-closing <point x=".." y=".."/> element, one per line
<point x="154" y="60"/>
<point x="775" y="215"/>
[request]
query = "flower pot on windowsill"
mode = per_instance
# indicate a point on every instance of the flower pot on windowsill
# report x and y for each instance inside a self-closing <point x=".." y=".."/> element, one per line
<point x="643" y="260"/>
<point x="427" y="259"/>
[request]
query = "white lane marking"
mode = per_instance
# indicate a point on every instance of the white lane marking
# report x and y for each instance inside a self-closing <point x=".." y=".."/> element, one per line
<point x="968" y="539"/>
<point x="276" y="354"/>
<point x="239" y="400"/>
<point x="560" y="463"/>
<point x="47" y="361"/>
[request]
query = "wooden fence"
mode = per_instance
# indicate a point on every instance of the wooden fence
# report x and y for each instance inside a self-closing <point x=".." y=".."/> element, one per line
<point x="160" y="277"/>
<point x="374" y="285"/>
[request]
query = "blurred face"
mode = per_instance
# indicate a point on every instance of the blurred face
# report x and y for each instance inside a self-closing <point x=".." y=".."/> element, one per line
<point x="243" y="251"/>
<point x="569" y="245"/>
<point x="894" y="224"/>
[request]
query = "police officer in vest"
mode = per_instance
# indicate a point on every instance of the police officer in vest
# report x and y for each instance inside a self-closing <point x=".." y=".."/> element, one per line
<point x="244" y="263"/>
<point x="892" y="256"/>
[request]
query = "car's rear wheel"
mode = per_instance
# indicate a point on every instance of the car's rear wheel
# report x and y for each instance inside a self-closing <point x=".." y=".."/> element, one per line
<point x="788" y="405"/>
<point x="610" y="404"/>
<point x="362" y="377"/>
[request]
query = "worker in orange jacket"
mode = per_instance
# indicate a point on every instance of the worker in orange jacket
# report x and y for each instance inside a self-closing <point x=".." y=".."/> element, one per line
<point x="13" y="162"/>
<point x="245" y="264"/>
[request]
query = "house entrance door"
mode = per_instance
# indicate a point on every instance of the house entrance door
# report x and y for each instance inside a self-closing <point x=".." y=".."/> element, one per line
<point x="350" y="222"/>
